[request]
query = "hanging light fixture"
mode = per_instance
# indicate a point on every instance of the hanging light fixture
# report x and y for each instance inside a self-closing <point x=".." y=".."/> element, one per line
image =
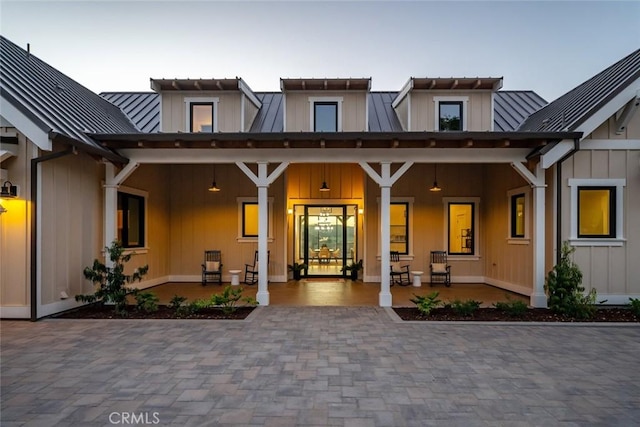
<point x="214" y="188"/>
<point x="9" y="191"/>
<point x="324" y="186"/>
<point x="435" y="187"/>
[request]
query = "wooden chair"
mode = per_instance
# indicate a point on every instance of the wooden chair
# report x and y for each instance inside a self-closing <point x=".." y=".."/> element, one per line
<point x="440" y="269"/>
<point x="336" y="255"/>
<point x="399" y="273"/>
<point x="325" y="255"/>
<point x="212" y="267"/>
<point x="251" y="270"/>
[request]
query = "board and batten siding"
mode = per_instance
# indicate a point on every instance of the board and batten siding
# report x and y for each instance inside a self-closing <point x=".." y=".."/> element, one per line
<point x="14" y="231"/>
<point x="607" y="130"/>
<point x="297" y="113"/>
<point x="174" y="110"/>
<point x="609" y="269"/>
<point x="423" y="109"/>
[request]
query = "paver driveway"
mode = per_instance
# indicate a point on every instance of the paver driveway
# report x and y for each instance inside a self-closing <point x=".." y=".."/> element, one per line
<point x="317" y="366"/>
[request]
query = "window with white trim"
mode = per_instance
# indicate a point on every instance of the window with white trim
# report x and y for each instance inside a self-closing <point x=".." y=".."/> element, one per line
<point x="201" y="114"/>
<point x="451" y="113"/>
<point x="325" y="114"/>
<point x="248" y="216"/>
<point x="518" y="219"/>
<point x="597" y="212"/>
<point x="401" y="226"/>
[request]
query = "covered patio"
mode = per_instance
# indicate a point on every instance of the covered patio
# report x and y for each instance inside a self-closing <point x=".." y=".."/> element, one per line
<point x="341" y="292"/>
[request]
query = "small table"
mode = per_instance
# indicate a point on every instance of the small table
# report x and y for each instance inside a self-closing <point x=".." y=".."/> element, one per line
<point x="235" y="277"/>
<point x="416" y="278"/>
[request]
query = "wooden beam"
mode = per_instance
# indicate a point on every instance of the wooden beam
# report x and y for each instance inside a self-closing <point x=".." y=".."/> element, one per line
<point x="432" y="143"/>
<point x="433" y="83"/>
<point x="249" y="144"/>
<point x="506" y="143"/>
<point x="325" y="84"/>
<point x="455" y="84"/>
<point x="213" y="144"/>
<point x="177" y="144"/>
<point x="395" y="143"/>
<point x="304" y="85"/>
<point x="322" y="144"/>
<point x="477" y="84"/>
<point x="347" y="84"/>
<point x="140" y="144"/>
<point x="175" y="85"/>
<point x="197" y="85"/>
<point x="285" y="143"/>
<point x="359" y="143"/>
<point x="467" y="144"/>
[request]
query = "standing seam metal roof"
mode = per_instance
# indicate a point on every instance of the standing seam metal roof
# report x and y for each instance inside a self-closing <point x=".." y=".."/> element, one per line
<point x="571" y="109"/>
<point x="58" y="102"/>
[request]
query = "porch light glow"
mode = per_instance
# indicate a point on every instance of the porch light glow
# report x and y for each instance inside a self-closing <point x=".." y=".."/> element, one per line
<point x="435" y="187"/>
<point x="9" y="191"/>
<point x="214" y="188"/>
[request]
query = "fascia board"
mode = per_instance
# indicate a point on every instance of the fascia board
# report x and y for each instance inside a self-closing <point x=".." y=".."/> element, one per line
<point x="244" y="88"/>
<point x="34" y="129"/>
<point x="403" y="93"/>
<point x="558" y="151"/>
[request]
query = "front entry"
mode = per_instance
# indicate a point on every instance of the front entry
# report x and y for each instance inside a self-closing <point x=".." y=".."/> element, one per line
<point x="325" y="238"/>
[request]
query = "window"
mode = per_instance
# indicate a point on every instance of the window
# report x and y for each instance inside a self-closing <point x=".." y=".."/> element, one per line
<point x="597" y="212"/>
<point x="517" y="215"/>
<point x="201" y="114"/>
<point x="248" y="216"/>
<point x="450" y="115"/>
<point x="325" y="114"/>
<point x="131" y="220"/>
<point x="461" y="228"/>
<point x="399" y="216"/>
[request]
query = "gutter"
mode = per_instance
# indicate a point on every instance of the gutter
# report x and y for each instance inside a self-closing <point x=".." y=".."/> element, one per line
<point x="576" y="148"/>
<point x="34" y="223"/>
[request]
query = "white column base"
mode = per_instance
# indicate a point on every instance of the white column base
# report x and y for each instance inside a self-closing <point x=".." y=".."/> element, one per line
<point x="384" y="299"/>
<point x="263" y="298"/>
<point x="538" y="300"/>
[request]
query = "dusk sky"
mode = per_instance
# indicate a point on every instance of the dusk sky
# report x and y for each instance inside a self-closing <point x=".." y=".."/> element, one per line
<point x="548" y="47"/>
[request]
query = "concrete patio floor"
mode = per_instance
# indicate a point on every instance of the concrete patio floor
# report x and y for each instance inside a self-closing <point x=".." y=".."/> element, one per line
<point x="317" y="366"/>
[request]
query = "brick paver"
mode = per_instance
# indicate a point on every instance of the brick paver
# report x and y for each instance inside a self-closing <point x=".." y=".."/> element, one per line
<point x="317" y="366"/>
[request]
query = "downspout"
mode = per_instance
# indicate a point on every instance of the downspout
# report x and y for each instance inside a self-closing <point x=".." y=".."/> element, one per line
<point x="576" y="148"/>
<point x="34" y="223"/>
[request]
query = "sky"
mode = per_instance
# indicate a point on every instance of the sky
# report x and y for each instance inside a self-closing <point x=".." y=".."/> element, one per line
<point x="546" y="46"/>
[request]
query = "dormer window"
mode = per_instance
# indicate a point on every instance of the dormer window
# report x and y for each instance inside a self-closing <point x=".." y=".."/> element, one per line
<point x="451" y="113"/>
<point x="201" y="114"/>
<point x="326" y="114"/>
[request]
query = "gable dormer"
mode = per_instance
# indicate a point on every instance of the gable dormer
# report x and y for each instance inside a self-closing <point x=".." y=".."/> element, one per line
<point x="325" y="105"/>
<point x="447" y="104"/>
<point x="205" y="105"/>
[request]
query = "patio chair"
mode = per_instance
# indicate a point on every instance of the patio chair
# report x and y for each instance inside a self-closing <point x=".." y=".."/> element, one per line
<point x="336" y="255"/>
<point x="212" y="267"/>
<point x="251" y="270"/>
<point x="440" y="269"/>
<point x="399" y="273"/>
<point x="324" y="255"/>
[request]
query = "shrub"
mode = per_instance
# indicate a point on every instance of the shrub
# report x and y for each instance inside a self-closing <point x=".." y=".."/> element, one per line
<point x="228" y="299"/>
<point x="427" y="303"/>
<point x="111" y="281"/>
<point x="635" y="305"/>
<point x="176" y="302"/>
<point x="513" y="308"/>
<point x="465" y="308"/>
<point x="147" y="301"/>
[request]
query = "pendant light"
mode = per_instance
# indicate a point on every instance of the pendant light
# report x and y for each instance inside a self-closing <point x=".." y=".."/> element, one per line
<point x="214" y="188"/>
<point x="435" y="187"/>
<point x="324" y="186"/>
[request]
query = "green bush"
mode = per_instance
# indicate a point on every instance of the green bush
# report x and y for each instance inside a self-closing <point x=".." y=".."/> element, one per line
<point x="111" y="281"/>
<point x="635" y="306"/>
<point x="147" y="301"/>
<point x="229" y="298"/>
<point x="513" y="308"/>
<point x="465" y="308"/>
<point x="176" y="302"/>
<point x="425" y="304"/>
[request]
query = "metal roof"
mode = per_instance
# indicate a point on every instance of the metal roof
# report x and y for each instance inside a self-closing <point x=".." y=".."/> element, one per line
<point x="512" y="107"/>
<point x="574" y="107"/>
<point x="55" y="102"/>
<point x="142" y="108"/>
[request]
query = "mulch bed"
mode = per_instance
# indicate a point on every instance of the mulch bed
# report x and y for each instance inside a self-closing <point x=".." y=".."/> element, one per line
<point x="531" y="315"/>
<point x="164" y="312"/>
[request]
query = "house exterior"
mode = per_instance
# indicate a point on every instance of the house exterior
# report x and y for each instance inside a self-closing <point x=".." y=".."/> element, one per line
<point x="323" y="163"/>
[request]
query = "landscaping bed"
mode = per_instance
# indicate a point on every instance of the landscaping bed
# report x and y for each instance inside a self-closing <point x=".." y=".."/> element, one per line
<point x="530" y="315"/>
<point x="94" y="311"/>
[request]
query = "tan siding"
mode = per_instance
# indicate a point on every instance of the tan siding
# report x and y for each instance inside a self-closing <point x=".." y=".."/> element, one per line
<point x="402" y="111"/>
<point x="250" y="112"/>
<point x="607" y="130"/>
<point x="423" y="109"/>
<point x="14" y="231"/>
<point x="174" y="110"/>
<point x="353" y="109"/>
<point x="71" y="224"/>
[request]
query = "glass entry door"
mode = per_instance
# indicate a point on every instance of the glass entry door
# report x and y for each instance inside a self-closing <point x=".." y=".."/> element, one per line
<point x="325" y="238"/>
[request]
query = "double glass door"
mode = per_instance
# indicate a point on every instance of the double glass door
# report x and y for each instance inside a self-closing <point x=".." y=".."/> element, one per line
<point x="325" y="238"/>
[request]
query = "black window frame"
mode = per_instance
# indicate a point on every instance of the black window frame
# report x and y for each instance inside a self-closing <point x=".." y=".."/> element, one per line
<point x="123" y="199"/>
<point x="315" y="115"/>
<point x="472" y="230"/>
<point x="612" y="211"/>
<point x="213" y="113"/>
<point x="244" y="219"/>
<point x="459" y="104"/>
<point x="514" y="216"/>
<point x="406" y="227"/>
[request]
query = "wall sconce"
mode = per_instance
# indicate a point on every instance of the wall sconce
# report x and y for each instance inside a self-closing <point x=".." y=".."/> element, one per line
<point x="9" y="191"/>
<point x="361" y="211"/>
<point x="290" y="211"/>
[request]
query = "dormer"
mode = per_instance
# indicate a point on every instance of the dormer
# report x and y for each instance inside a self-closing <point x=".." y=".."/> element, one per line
<point x="447" y="104"/>
<point x="205" y="105"/>
<point x="325" y="105"/>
